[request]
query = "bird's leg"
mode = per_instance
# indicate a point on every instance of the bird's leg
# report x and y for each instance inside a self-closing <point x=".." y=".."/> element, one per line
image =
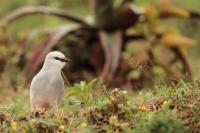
<point x="33" y="111"/>
<point x="55" y="108"/>
<point x="37" y="111"/>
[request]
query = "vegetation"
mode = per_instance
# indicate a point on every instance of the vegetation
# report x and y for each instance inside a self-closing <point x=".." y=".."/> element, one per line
<point x="135" y="65"/>
<point x="163" y="109"/>
<point x="135" y="27"/>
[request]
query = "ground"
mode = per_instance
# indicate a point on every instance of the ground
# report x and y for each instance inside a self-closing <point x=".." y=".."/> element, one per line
<point x="159" y="109"/>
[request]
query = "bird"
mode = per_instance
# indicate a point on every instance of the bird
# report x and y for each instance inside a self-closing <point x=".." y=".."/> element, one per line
<point x="47" y="86"/>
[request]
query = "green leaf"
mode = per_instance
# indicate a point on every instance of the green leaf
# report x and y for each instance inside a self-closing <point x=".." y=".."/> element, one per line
<point x="90" y="85"/>
<point x="83" y="85"/>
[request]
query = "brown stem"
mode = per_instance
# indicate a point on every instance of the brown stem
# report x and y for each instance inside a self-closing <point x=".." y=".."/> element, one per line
<point x="195" y="15"/>
<point x="186" y="67"/>
<point x="133" y="37"/>
<point x="41" y="10"/>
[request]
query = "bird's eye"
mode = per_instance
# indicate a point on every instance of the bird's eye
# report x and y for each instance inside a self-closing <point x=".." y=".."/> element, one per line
<point x="56" y="58"/>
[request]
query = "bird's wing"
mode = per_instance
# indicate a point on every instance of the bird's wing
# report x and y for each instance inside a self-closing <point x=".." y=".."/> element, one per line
<point x="47" y="84"/>
<point x="40" y="81"/>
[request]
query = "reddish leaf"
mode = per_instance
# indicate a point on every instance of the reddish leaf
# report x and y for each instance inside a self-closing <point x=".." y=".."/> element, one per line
<point x="39" y="54"/>
<point x="112" y="43"/>
<point x="29" y="10"/>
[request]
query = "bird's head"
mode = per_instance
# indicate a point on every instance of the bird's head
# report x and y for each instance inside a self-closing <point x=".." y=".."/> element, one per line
<point x="55" y="60"/>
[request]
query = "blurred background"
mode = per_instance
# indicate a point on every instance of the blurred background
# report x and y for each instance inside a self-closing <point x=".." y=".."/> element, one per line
<point x="143" y="53"/>
<point x="126" y="43"/>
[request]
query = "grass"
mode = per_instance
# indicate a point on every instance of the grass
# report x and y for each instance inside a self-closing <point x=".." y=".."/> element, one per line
<point x="161" y="109"/>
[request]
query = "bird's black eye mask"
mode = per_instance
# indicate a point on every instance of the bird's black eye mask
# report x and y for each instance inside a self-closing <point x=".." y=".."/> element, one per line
<point x="62" y="59"/>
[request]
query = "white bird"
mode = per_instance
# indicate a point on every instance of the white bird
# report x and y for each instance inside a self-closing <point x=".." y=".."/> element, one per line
<point x="47" y="87"/>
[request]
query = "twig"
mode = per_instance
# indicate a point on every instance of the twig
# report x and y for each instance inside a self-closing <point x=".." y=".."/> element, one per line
<point x="106" y="93"/>
<point x="65" y="79"/>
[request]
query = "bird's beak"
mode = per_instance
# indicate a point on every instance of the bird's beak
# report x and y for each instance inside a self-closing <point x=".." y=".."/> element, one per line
<point x="65" y="60"/>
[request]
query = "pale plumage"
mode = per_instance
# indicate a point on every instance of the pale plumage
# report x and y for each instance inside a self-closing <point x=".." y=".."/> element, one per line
<point x="47" y="87"/>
